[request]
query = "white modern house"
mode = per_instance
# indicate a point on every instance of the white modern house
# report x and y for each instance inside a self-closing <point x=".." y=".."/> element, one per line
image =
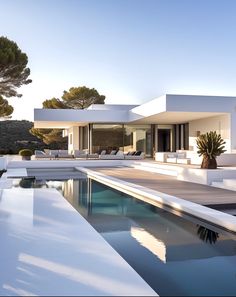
<point x="165" y="124"/>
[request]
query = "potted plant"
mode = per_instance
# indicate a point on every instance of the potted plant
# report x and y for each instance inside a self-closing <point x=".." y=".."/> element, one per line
<point x="26" y="154"/>
<point x="210" y="145"/>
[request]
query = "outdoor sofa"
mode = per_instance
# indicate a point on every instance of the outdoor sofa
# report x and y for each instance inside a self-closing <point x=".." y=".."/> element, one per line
<point x="179" y="158"/>
<point x="41" y="155"/>
<point x="83" y="154"/>
<point x="52" y="154"/>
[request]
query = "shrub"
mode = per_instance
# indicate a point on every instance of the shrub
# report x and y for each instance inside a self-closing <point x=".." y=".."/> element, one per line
<point x="26" y="153"/>
<point x="210" y="145"/>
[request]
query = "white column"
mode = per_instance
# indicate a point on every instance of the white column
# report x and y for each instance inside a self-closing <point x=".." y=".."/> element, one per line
<point x="73" y="138"/>
<point x="232" y="129"/>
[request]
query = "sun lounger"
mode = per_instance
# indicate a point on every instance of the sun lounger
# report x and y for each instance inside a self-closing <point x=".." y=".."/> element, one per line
<point x="112" y="156"/>
<point x="137" y="155"/>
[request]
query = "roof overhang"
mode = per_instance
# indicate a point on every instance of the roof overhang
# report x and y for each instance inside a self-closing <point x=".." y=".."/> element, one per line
<point x="175" y="117"/>
<point x="167" y="109"/>
<point x="65" y="118"/>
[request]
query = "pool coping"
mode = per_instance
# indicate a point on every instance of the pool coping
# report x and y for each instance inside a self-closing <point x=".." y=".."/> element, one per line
<point x="66" y="256"/>
<point x="212" y="216"/>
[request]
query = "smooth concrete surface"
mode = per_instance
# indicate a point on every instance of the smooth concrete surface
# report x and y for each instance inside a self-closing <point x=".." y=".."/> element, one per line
<point x="3" y="162"/>
<point x="190" y="173"/>
<point x="15" y="172"/>
<point x="49" y="249"/>
<point x="63" y="163"/>
<point x="210" y="215"/>
<point x="6" y="182"/>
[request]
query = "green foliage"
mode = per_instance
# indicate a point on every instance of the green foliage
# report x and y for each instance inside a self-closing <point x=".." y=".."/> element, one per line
<point x="14" y="136"/>
<point x="13" y="70"/>
<point x="54" y="103"/>
<point x="75" y="98"/>
<point x="50" y="136"/>
<point x="210" y="145"/>
<point x="82" y="97"/>
<point x="5" y="109"/>
<point x="25" y="152"/>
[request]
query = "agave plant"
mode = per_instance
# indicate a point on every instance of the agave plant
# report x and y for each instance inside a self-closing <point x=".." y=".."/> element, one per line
<point x="210" y="145"/>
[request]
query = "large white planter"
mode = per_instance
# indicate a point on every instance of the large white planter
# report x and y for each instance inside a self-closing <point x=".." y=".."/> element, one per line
<point x="3" y="162"/>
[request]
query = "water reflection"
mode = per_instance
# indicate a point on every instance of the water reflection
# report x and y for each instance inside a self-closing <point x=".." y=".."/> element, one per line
<point x="27" y="183"/>
<point x="207" y="235"/>
<point x="166" y="250"/>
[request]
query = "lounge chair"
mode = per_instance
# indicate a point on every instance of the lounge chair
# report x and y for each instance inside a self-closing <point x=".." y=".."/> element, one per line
<point x="112" y="156"/>
<point x="136" y="155"/>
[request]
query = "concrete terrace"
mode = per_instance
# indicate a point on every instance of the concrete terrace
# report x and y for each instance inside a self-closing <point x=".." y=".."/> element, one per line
<point x="52" y="250"/>
<point x="49" y="249"/>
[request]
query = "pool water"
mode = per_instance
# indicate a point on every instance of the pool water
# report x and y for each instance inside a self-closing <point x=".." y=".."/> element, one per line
<point x="174" y="255"/>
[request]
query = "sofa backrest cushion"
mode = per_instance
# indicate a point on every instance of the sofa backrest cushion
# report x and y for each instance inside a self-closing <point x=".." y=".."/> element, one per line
<point x="119" y="153"/>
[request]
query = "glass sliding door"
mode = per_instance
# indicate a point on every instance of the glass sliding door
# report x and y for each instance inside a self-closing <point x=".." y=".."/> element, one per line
<point x="138" y="138"/>
<point x="107" y="137"/>
<point x="83" y="137"/>
<point x="182" y="136"/>
<point x="121" y="137"/>
<point x="165" y="138"/>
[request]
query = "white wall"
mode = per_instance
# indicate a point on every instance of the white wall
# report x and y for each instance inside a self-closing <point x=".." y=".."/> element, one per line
<point x="220" y="124"/>
<point x="73" y="134"/>
<point x="3" y="162"/>
<point x="233" y="131"/>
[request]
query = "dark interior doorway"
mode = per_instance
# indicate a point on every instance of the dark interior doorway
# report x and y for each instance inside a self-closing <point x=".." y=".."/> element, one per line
<point x="164" y="140"/>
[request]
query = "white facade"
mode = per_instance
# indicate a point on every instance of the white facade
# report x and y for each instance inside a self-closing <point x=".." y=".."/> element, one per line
<point x="220" y="124"/>
<point x="200" y="114"/>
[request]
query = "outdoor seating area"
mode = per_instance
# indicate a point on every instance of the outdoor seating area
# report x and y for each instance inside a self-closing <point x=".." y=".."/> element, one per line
<point x="179" y="157"/>
<point x="64" y="154"/>
<point x="84" y="154"/>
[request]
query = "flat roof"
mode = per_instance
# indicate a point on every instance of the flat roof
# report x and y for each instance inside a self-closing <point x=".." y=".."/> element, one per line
<point x="172" y="109"/>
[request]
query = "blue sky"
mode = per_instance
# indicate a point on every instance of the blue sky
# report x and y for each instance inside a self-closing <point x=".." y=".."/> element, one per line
<point x="131" y="51"/>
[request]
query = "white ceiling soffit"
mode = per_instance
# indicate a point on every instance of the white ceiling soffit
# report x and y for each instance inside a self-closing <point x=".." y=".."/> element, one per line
<point x="175" y="117"/>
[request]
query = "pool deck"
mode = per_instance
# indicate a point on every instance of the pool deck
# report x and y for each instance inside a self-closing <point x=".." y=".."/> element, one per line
<point x="144" y="186"/>
<point x="49" y="249"/>
<point x="197" y="193"/>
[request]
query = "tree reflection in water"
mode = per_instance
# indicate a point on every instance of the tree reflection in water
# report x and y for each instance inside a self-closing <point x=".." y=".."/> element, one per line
<point x="207" y="235"/>
<point x="27" y="182"/>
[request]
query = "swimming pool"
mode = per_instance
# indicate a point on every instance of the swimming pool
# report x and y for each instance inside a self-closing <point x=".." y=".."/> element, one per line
<point x="175" y="255"/>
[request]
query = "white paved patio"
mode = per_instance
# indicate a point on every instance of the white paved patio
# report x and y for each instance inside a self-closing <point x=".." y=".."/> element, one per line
<point x="48" y="248"/>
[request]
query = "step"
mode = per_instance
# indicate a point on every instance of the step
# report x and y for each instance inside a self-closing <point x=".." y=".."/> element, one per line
<point x="222" y="185"/>
<point x="156" y="169"/>
<point x="230" y="183"/>
<point x="218" y="185"/>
